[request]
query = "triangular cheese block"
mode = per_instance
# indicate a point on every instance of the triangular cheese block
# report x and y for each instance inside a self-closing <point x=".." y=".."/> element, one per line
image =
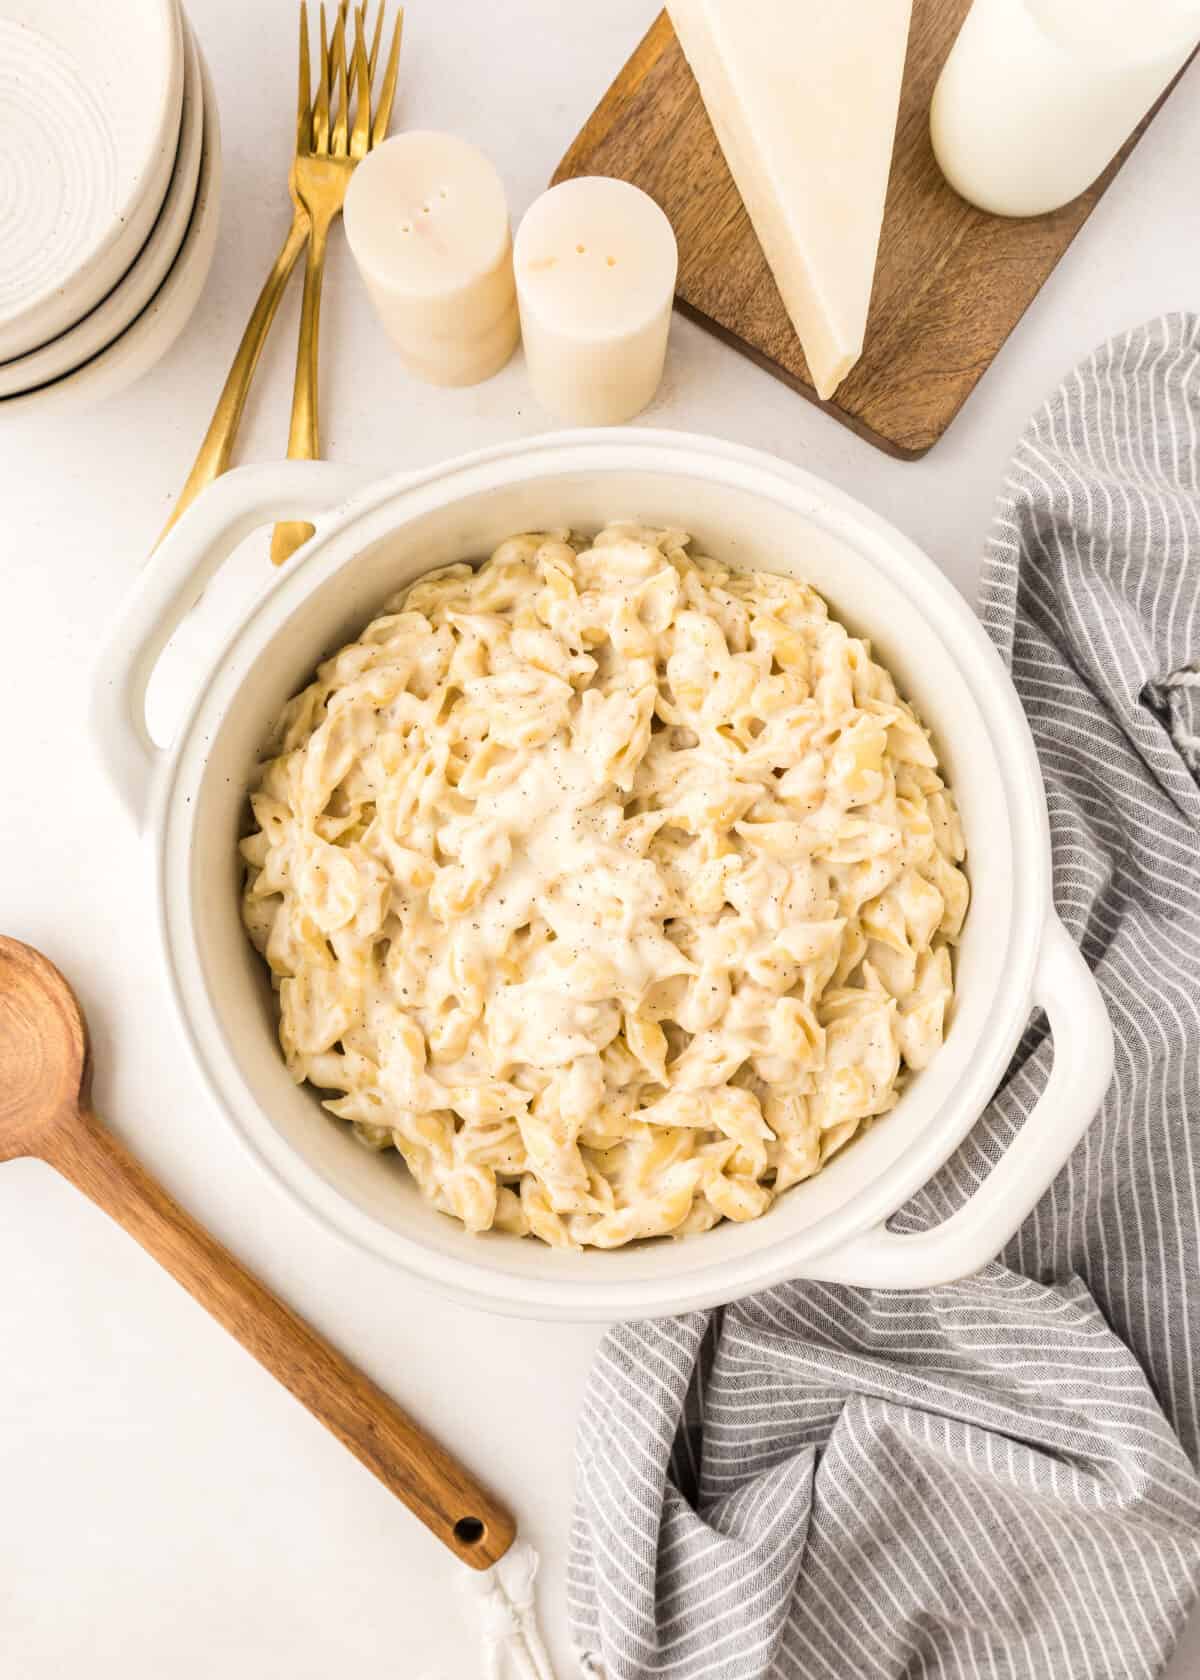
<point x="803" y="97"/>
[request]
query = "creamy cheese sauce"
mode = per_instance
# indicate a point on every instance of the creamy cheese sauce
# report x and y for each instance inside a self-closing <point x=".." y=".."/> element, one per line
<point x="613" y="889"/>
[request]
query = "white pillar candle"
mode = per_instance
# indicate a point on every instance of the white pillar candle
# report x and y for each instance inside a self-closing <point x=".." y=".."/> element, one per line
<point x="1037" y="96"/>
<point x="595" y="263"/>
<point x="427" y="220"/>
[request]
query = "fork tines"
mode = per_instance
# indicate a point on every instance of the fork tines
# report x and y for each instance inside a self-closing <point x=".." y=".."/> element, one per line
<point x="323" y="122"/>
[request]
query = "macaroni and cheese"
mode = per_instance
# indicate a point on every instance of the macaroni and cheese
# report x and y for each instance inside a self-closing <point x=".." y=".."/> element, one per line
<point x="613" y="888"/>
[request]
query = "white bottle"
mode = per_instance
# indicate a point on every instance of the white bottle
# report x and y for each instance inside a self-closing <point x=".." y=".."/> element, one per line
<point x="1037" y="96"/>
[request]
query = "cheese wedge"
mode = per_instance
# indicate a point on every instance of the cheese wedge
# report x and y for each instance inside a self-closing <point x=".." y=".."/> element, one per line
<point x="803" y="97"/>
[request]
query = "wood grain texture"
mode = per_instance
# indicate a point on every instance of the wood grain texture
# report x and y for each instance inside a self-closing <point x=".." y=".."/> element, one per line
<point x="45" y="1112"/>
<point x="951" y="282"/>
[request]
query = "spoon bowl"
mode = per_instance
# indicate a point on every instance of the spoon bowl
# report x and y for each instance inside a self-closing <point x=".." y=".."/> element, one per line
<point x="44" y="1063"/>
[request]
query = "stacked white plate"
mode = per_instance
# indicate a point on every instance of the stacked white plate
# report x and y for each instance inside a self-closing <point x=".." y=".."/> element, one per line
<point x="110" y="166"/>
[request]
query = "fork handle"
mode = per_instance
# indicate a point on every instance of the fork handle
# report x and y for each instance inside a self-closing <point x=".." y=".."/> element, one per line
<point x="214" y="453"/>
<point x="304" y="443"/>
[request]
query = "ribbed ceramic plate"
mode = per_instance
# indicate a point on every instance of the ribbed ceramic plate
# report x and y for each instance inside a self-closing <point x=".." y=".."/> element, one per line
<point x="90" y="100"/>
<point x="151" y="266"/>
<point x="158" y="326"/>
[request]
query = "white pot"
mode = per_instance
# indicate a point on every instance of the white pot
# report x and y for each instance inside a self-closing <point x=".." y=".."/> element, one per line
<point x="750" y="510"/>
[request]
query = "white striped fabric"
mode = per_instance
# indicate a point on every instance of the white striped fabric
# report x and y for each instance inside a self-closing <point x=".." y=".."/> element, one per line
<point x="997" y="1477"/>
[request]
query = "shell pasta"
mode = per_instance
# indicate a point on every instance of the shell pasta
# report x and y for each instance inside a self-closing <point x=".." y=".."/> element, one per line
<point x="616" y="890"/>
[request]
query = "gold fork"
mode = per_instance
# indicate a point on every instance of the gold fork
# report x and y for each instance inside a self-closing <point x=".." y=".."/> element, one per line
<point x="214" y="454"/>
<point x="320" y="176"/>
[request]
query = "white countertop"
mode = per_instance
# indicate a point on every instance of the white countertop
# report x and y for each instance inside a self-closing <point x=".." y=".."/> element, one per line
<point x="164" y="1508"/>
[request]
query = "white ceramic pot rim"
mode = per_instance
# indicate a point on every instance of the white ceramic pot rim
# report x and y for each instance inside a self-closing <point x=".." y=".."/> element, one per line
<point x="1041" y="963"/>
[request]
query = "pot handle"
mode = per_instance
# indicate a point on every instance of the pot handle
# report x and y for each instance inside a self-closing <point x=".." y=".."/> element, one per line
<point x="169" y="586"/>
<point x="1083" y="1063"/>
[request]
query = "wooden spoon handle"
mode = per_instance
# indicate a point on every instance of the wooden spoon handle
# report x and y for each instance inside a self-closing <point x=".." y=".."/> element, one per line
<point x="434" y="1486"/>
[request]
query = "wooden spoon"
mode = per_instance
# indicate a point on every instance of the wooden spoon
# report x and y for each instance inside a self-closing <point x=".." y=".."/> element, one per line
<point x="45" y="1111"/>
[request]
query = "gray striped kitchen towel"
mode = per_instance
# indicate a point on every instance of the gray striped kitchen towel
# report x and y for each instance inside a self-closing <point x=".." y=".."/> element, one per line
<point x="996" y="1477"/>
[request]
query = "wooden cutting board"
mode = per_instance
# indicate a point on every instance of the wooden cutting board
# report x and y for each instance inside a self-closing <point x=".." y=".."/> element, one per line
<point x="951" y="283"/>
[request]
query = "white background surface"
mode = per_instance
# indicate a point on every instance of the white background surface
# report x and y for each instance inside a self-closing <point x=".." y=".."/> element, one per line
<point x="164" y="1509"/>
